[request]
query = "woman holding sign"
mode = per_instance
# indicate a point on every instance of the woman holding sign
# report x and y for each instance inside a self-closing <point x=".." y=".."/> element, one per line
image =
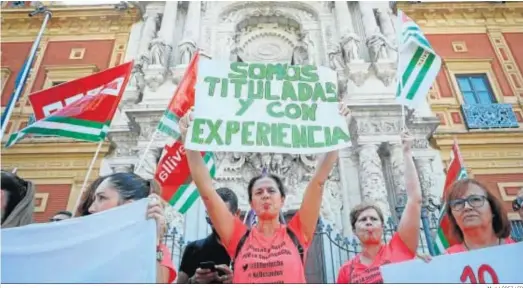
<point x="121" y="188"/>
<point x="270" y="252"/>
<point x="367" y="223"/>
<point x="477" y="218"/>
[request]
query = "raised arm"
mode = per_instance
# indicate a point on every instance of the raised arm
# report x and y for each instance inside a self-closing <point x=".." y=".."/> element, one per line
<point x="220" y="215"/>
<point x="409" y="226"/>
<point x="310" y="206"/>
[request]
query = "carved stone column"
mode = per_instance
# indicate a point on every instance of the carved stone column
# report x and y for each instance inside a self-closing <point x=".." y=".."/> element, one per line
<point x="375" y="40"/>
<point x="134" y="41"/>
<point x="350" y="186"/>
<point x="152" y="17"/>
<point x="161" y="47"/>
<point x="372" y="181"/>
<point x="191" y="33"/>
<point x="387" y="29"/>
<point x="425" y="174"/>
<point x="398" y="175"/>
<point x="349" y="40"/>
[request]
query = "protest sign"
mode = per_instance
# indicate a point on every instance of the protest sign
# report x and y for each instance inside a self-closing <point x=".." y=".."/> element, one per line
<point x="256" y="107"/>
<point x="500" y="264"/>
<point x="115" y="246"/>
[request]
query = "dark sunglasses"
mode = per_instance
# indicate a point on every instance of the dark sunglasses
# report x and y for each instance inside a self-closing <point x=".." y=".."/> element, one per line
<point x="517" y="203"/>
<point x="475" y="201"/>
<point x="55" y="220"/>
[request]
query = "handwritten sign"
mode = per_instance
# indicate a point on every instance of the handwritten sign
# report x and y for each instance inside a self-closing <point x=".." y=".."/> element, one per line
<point x="500" y="264"/>
<point x="255" y="107"/>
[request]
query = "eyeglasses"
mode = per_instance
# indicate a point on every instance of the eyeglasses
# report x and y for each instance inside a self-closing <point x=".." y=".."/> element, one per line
<point x="55" y="219"/>
<point x="475" y="201"/>
<point x="517" y="204"/>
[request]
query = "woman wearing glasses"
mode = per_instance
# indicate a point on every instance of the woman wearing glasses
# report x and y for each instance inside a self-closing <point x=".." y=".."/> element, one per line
<point x="477" y="218"/>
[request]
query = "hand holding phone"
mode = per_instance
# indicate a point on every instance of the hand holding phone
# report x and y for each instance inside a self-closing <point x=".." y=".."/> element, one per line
<point x="206" y="273"/>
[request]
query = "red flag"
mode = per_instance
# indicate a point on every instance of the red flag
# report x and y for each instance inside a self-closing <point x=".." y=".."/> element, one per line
<point x="173" y="169"/>
<point x="456" y="171"/>
<point x="51" y="100"/>
<point x="81" y="109"/>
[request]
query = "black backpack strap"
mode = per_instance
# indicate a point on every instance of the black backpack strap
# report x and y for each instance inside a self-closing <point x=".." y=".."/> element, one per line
<point x="239" y="247"/>
<point x="297" y="243"/>
<point x="291" y="234"/>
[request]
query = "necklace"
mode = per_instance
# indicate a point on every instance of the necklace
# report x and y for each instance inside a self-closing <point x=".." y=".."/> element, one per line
<point x="468" y="249"/>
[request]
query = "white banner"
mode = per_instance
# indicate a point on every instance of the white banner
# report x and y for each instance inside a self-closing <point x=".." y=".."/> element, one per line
<point x="116" y="246"/>
<point x="257" y="107"/>
<point x="500" y="264"/>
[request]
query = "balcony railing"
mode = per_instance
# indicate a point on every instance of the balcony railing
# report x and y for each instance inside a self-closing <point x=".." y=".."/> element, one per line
<point x="489" y="116"/>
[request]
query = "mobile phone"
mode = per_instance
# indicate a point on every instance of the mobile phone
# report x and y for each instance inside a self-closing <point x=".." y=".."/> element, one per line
<point x="208" y="265"/>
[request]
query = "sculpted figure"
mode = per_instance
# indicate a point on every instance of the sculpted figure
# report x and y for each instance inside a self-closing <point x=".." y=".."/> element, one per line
<point x="187" y="49"/>
<point x="350" y="43"/>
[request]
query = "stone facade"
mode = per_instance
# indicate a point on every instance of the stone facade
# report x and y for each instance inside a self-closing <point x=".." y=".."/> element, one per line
<point x="343" y="35"/>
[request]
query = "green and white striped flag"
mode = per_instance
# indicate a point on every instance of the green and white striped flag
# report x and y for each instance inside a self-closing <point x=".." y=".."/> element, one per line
<point x="169" y="125"/>
<point x="418" y="64"/>
<point x="186" y="195"/>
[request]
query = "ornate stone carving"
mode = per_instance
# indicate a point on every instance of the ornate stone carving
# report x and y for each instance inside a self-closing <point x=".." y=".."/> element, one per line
<point x="350" y="43"/>
<point x="293" y="10"/>
<point x="427" y="181"/>
<point x="378" y="44"/>
<point x="122" y="168"/>
<point x="158" y="51"/>
<point x="234" y="47"/>
<point x="301" y="53"/>
<point x="373" y="127"/>
<point x="133" y="91"/>
<point x="372" y="181"/>
<point x="186" y="50"/>
<point x="336" y="58"/>
<point x="294" y="169"/>
<point x="398" y="168"/>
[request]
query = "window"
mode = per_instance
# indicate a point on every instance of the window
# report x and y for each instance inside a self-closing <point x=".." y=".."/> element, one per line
<point x="475" y="89"/>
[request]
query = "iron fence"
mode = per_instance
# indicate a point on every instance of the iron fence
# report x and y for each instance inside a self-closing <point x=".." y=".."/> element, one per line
<point x="332" y="249"/>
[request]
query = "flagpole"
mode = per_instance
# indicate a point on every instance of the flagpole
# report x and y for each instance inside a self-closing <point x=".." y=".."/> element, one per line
<point x="142" y="159"/>
<point x="88" y="174"/>
<point x="25" y="72"/>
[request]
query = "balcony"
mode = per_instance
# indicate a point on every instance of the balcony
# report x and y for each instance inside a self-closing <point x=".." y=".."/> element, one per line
<point x="489" y="116"/>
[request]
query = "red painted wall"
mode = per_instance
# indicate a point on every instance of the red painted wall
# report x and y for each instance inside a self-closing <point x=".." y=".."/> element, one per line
<point x="57" y="200"/>
<point x="97" y="52"/>
<point x="515" y="43"/>
<point x="13" y="57"/>
<point x="492" y="180"/>
<point x="478" y="46"/>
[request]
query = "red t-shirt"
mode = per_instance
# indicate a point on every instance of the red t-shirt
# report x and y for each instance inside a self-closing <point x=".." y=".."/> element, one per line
<point x="167" y="262"/>
<point x="354" y="272"/>
<point x="458" y="248"/>
<point x="268" y="260"/>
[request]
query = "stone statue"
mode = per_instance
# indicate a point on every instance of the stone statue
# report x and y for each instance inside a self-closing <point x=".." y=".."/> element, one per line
<point x="137" y="79"/>
<point x="234" y="47"/>
<point x="336" y="58"/>
<point x="158" y="52"/>
<point x="350" y="43"/>
<point x="378" y="45"/>
<point x="187" y="49"/>
<point x="310" y="49"/>
<point x="300" y="55"/>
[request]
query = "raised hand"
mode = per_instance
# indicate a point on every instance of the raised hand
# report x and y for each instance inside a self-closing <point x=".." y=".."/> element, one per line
<point x="185" y="122"/>
<point x="155" y="211"/>
<point x="345" y="111"/>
